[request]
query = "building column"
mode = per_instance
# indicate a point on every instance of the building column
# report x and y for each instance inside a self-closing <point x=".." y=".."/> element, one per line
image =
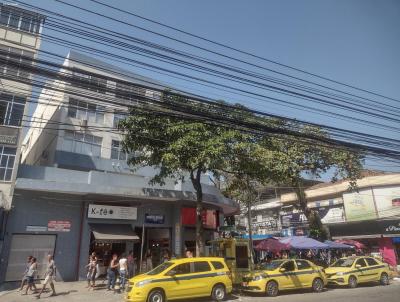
<point x="177" y="231"/>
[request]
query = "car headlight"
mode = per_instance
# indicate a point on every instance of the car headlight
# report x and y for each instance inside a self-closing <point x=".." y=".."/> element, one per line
<point x="259" y="277"/>
<point x="339" y="274"/>
<point x="142" y="283"/>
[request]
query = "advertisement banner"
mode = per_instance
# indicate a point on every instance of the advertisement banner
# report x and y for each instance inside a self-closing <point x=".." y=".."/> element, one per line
<point x="154" y="219"/>
<point x="209" y="217"/>
<point x="359" y="206"/>
<point x="387" y="201"/>
<point x="331" y="214"/>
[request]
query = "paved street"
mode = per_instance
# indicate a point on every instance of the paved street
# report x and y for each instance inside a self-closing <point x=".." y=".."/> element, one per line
<point x="76" y="292"/>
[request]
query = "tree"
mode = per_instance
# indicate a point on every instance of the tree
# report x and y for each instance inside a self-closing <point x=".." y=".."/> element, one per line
<point x="182" y="146"/>
<point x="299" y="158"/>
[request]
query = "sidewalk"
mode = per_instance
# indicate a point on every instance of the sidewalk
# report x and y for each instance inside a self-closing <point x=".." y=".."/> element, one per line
<point x="66" y="291"/>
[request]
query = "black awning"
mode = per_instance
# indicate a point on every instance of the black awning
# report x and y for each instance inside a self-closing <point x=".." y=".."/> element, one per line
<point x="365" y="228"/>
<point x="113" y="232"/>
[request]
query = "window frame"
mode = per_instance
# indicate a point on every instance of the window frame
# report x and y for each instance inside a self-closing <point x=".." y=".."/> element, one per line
<point x="20" y="17"/>
<point x="303" y="261"/>
<point x="79" y="109"/>
<point x="371" y="259"/>
<point x="362" y="260"/>
<point x="219" y="263"/>
<point x="196" y="263"/>
<point x="13" y="105"/>
<point x="78" y="137"/>
<point x="19" y="56"/>
<point x="7" y="167"/>
<point x="121" y="155"/>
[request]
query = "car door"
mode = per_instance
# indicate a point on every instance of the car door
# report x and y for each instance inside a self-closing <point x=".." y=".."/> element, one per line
<point x="360" y="269"/>
<point x="180" y="284"/>
<point x="204" y="278"/>
<point x="373" y="273"/>
<point x="304" y="273"/>
<point x="287" y="278"/>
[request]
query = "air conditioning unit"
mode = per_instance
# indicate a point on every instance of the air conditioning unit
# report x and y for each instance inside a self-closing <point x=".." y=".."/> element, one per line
<point x="84" y="123"/>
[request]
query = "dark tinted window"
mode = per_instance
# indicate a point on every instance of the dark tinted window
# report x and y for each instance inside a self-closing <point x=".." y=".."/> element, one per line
<point x="242" y="257"/>
<point x="289" y="266"/>
<point x="181" y="269"/>
<point x="361" y="262"/>
<point x="371" y="261"/>
<point x="217" y="265"/>
<point x="201" y="266"/>
<point x="301" y="264"/>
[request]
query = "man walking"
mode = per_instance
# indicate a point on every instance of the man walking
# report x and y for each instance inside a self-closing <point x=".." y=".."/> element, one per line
<point x="49" y="276"/>
<point x="24" y="277"/>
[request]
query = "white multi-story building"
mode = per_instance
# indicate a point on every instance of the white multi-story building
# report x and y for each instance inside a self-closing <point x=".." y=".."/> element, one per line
<point x="76" y="192"/>
<point x="19" y="43"/>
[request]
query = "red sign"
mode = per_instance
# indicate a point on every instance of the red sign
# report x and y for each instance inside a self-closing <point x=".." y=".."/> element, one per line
<point x="59" y="226"/>
<point x="208" y="217"/>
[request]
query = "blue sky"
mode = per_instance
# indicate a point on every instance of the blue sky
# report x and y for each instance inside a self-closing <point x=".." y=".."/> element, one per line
<point x="356" y="42"/>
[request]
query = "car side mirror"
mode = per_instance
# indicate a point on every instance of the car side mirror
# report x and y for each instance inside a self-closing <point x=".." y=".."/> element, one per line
<point x="282" y="269"/>
<point x="171" y="273"/>
<point x="358" y="265"/>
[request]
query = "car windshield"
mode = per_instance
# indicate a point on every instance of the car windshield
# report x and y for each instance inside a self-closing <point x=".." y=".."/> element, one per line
<point x="348" y="262"/>
<point x="159" y="269"/>
<point x="272" y="265"/>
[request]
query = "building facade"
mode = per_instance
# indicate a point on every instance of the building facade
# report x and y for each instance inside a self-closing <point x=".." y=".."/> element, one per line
<point x="75" y="192"/>
<point x="371" y="215"/>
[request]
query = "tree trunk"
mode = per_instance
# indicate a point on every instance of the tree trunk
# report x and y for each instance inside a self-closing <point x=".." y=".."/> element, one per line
<point x="317" y="230"/>
<point x="249" y="224"/>
<point x="199" y="211"/>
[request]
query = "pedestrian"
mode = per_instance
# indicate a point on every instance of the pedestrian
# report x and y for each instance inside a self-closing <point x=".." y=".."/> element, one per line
<point x="91" y="272"/>
<point x="189" y="254"/>
<point x="165" y="257"/>
<point x="24" y="277"/>
<point x="112" y="272"/>
<point x="147" y="263"/>
<point x="131" y="265"/>
<point x="49" y="276"/>
<point x="123" y="270"/>
<point x="31" y="276"/>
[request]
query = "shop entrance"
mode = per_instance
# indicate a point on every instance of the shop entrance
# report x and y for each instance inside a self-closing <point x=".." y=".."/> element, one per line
<point x="109" y="239"/>
<point x="158" y="242"/>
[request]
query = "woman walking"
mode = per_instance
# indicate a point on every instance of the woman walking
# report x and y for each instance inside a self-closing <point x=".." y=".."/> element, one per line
<point x="112" y="272"/>
<point x="30" y="275"/>
<point x="91" y="274"/>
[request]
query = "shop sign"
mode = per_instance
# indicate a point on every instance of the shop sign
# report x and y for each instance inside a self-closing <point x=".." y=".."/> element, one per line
<point x="155" y="219"/>
<point x="36" y="228"/>
<point x="8" y="139"/>
<point x="59" y="226"/>
<point x="359" y="206"/>
<point x="112" y="212"/>
<point x="208" y="217"/>
<point x="269" y="224"/>
<point x="293" y="218"/>
<point x="331" y="215"/>
<point x="393" y="227"/>
<point x="387" y="201"/>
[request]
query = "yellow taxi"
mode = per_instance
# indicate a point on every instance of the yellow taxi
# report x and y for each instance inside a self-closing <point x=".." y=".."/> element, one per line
<point x="182" y="279"/>
<point x="285" y="275"/>
<point x="353" y="270"/>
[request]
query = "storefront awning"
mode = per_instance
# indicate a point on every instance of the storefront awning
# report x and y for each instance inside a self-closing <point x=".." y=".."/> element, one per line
<point x="113" y="232"/>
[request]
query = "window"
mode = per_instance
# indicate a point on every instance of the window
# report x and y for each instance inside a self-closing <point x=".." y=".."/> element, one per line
<point x="129" y="91"/>
<point x="14" y="61"/>
<point x="11" y="109"/>
<point x="201" y="266"/>
<point x="116" y="151"/>
<point x="7" y="159"/>
<point x="371" y="261"/>
<point x="117" y="118"/>
<point x="217" y="265"/>
<point x="289" y="266"/>
<point x="89" y="81"/>
<point x="18" y="19"/>
<point x="86" y="111"/>
<point x="82" y="143"/>
<point x="301" y="264"/>
<point x="361" y="262"/>
<point x="181" y="269"/>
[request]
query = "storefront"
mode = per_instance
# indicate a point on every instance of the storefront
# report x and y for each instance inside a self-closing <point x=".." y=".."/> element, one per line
<point x="377" y="235"/>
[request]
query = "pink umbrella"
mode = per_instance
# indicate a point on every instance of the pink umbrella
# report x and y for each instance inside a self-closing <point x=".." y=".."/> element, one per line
<point x="271" y="245"/>
<point x="358" y="245"/>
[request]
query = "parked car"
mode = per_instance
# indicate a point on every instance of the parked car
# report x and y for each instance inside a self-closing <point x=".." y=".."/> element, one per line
<point x="285" y="275"/>
<point x="182" y="279"/>
<point x="351" y="271"/>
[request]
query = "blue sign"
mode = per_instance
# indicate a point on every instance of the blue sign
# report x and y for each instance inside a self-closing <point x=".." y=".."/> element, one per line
<point x="155" y="219"/>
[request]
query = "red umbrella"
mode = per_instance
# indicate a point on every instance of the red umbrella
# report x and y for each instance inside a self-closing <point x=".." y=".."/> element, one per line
<point x="271" y="245"/>
<point x="358" y="245"/>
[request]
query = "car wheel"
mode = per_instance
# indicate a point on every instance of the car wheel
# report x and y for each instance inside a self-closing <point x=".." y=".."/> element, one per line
<point x="352" y="282"/>
<point x="272" y="289"/>
<point x="156" y="296"/>
<point x="218" y="292"/>
<point x="318" y="285"/>
<point x="384" y="280"/>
